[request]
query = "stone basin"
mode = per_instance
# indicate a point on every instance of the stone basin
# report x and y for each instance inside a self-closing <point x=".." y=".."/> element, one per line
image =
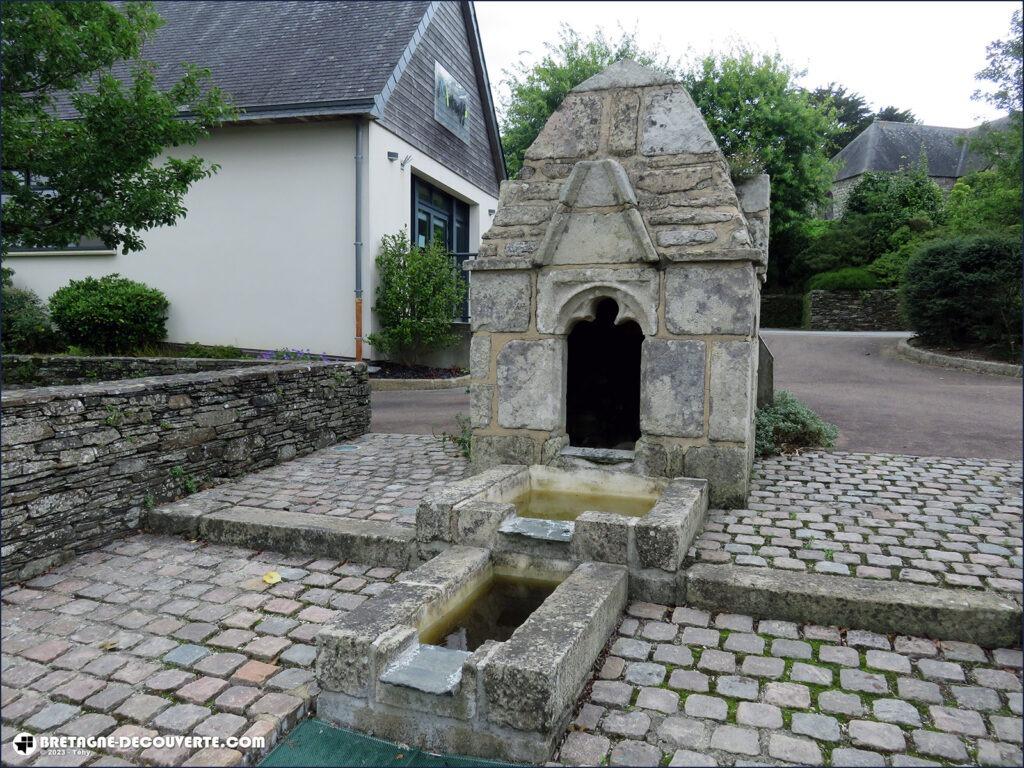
<point x="644" y="523"/>
<point x="509" y="698"/>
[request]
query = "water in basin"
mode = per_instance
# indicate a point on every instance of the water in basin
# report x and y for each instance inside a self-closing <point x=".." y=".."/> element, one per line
<point x="554" y="504"/>
<point x="492" y="612"/>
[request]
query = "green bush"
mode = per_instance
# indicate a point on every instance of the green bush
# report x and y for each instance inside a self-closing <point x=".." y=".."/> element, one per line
<point x="846" y="279"/>
<point x="965" y="291"/>
<point x="26" y="326"/>
<point x="983" y="202"/>
<point x="889" y="268"/>
<point x="418" y="291"/>
<point x="896" y="197"/>
<point x="110" y="314"/>
<point x="787" y="425"/>
<point x="782" y="310"/>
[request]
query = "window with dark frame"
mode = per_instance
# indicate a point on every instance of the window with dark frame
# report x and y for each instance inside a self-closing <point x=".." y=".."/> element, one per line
<point x="39" y="183"/>
<point x="436" y="215"/>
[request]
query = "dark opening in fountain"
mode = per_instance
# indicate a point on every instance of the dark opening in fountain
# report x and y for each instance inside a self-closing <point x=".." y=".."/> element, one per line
<point x="603" y="381"/>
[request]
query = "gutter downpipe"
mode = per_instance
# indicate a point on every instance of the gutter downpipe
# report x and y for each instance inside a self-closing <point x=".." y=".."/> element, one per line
<point x="359" y="240"/>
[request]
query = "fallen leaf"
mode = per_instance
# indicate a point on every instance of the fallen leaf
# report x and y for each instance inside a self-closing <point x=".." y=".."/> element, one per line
<point x="271" y="577"/>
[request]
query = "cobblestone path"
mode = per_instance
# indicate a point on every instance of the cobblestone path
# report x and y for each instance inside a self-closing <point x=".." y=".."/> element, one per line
<point x="681" y="686"/>
<point x="155" y="635"/>
<point x="375" y="477"/>
<point x="936" y="521"/>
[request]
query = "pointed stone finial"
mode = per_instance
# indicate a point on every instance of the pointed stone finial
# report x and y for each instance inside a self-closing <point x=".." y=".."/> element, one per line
<point x="625" y="73"/>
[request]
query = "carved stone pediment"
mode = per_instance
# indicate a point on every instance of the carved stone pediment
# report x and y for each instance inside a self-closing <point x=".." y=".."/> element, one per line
<point x="597" y="221"/>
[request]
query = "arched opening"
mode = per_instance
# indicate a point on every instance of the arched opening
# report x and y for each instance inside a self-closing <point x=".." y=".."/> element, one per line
<point x="603" y="381"/>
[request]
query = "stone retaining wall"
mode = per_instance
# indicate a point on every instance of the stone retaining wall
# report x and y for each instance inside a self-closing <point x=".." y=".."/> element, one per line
<point x="877" y="310"/>
<point x="55" y="370"/>
<point x="80" y="462"/>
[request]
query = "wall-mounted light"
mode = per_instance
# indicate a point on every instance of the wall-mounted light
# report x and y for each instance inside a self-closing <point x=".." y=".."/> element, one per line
<point x="392" y="156"/>
<point x="490" y="211"/>
<point x="405" y="161"/>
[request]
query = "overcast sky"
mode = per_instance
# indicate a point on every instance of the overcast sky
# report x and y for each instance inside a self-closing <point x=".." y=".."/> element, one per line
<point x="917" y="56"/>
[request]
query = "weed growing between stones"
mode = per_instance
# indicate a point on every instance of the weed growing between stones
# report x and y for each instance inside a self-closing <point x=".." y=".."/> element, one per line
<point x="463" y="439"/>
<point x="787" y="425"/>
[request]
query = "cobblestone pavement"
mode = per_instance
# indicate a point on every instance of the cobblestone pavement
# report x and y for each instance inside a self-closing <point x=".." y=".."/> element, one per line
<point x="375" y="477"/>
<point x="681" y="686"/>
<point x="155" y="635"/>
<point x="937" y="521"/>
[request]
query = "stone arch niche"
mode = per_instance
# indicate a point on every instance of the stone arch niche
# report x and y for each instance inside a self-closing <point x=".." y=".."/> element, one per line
<point x="602" y="385"/>
<point x="624" y="197"/>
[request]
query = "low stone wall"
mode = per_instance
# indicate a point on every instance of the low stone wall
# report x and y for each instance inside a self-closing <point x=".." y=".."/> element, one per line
<point x="80" y="462"/>
<point x="877" y="310"/>
<point x="55" y="370"/>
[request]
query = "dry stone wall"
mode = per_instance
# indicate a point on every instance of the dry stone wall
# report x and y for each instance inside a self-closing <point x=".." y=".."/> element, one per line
<point x="877" y="310"/>
<point x="624" y="195"/>
<point x="80" y="462"/>
<point x="54" y="370"/>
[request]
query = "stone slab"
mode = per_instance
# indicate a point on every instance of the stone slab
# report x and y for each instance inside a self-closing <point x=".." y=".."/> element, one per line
<point x="427" y="668"/>
<point x="532" y="679"/>
<point x="365" y="541"/>
<point x="534" y="528"/>
<point x="984" y="618"/>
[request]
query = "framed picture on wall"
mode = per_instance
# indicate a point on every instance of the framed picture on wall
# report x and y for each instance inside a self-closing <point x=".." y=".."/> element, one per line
<point x="451" y="103"/>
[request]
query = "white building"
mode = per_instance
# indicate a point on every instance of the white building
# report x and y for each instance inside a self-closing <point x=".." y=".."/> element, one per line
<point x="344" y="137"/>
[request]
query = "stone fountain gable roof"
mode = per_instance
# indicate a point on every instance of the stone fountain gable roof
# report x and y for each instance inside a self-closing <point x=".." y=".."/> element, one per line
<point x="625" y="73"/>
<point x="625" y="171"/>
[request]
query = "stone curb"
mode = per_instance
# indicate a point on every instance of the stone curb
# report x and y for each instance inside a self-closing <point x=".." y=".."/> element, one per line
<point x="364" y="541"/>
<point x="906" y="350"/>
<point x="396" y="385"/>
<point x="990" y="620"/>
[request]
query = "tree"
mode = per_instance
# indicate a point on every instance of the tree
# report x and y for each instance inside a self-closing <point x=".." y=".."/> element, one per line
<point x="764" y="123"/>
<point x="892" y="114"/>
<point x="536" y="91"/>
<point x="1004" y="70"/>
<point x="83" y="127"/>
<point x="852" y="113"/>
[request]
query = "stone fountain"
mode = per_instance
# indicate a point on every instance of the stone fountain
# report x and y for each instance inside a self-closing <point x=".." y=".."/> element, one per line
<point x="614" y="371"/>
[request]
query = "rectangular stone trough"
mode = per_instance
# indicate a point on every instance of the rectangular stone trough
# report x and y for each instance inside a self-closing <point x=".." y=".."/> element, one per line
<point x="644" y="523"/>
<point x="506" y="699"/>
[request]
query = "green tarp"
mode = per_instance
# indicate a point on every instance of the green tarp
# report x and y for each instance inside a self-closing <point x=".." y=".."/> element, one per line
<point x="315" y="744"/>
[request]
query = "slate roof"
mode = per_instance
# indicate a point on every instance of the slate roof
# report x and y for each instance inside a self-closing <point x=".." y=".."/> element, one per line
<point x="885" y="146"/>
<point x="279" y="59"/>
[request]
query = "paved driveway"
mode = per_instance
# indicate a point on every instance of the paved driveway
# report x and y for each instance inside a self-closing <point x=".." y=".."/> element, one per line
<point x="881" y="402"/>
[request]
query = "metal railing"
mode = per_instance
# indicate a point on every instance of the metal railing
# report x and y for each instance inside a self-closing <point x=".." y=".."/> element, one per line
<point x="462" y="311"/>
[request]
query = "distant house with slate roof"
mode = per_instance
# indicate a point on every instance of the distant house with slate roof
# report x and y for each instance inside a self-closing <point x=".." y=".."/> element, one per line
<point x="891" y="147"/>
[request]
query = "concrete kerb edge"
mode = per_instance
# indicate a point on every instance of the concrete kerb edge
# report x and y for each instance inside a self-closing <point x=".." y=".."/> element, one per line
<point x="985" y="618"/>
<point x="402" y="385"/>
<point x="917" y="355"/>
<point x="289" y="532"/>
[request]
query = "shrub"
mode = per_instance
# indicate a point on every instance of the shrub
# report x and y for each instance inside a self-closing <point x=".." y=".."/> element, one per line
<point x="787" y="425"/>
<point x="889" y="268"/>
<point x="846" y="279"/>
<point x="983" y="202"/>
<point x="26" y="326"/>
<point x="782" y="310"/>
<point x="418" y="291"/>
<point x="896" y="197"/>
<point x="110" y="314"/>
<point x="965" y="291"/>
